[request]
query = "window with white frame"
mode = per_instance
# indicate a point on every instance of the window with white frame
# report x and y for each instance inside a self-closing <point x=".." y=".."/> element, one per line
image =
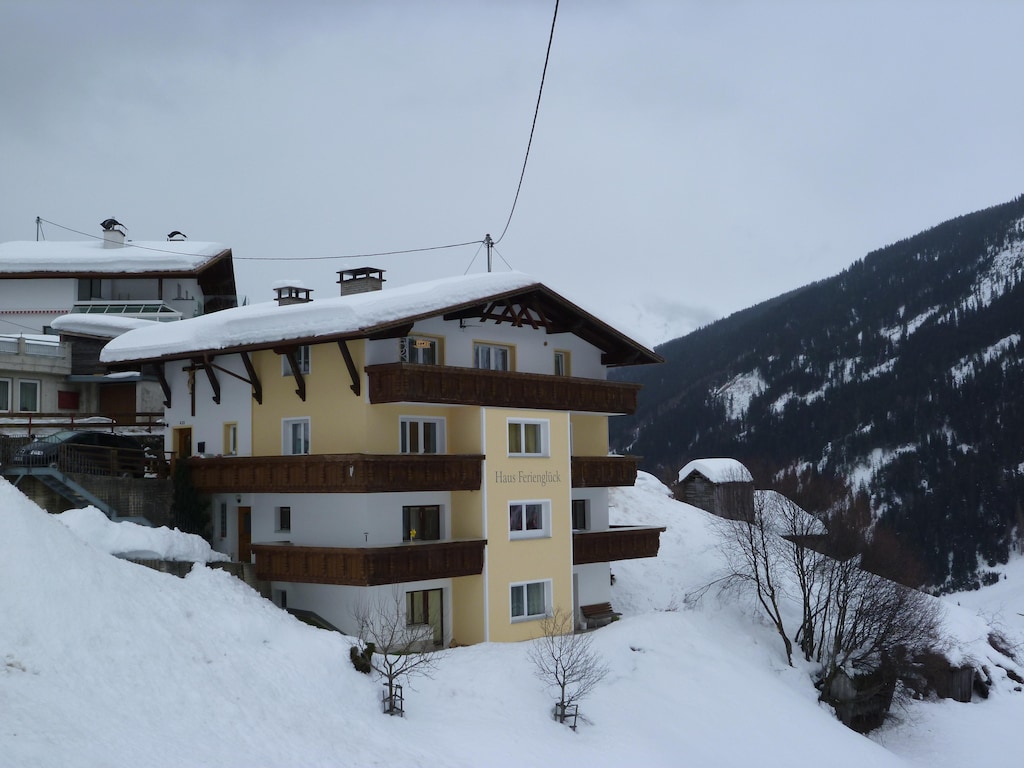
<point x="295" y="437"/>
<point x="283" y="519"/>
<point x="422" y="350"/>
<point x="561" y="362"/>
<point x="530" y="600"/>
<point x="301" y="359"/>
<point x="421" y="435"/>
<point x="529" y="519"/>
<point x="230" y="438"/>
<point x="28" y="396"/>
<point x="5" y="394"/>
<point x="580" y="515"/>
<point x="493" y="357"/>
<point x="527" y="438"/>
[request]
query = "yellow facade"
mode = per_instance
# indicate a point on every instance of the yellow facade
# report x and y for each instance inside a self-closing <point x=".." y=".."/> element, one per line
<point x="342" y="422"/>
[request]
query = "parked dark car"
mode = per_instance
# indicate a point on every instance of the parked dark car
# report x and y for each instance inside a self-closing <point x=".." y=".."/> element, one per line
<point x="97" y="453"/>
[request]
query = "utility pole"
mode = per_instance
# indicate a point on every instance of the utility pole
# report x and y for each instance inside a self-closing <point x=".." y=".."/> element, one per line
<point x="39" y="228"/>
<point x="490" y="244"/>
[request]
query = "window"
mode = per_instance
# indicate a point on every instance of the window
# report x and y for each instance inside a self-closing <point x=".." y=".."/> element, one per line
<point x="301" y="358"/>
<point x="5" y="394"/>
<point x="580" y="515"/>
<point x="223" y="520"/>
<point x="284" y="519"/>
<point x="562" y="363"/>
<point x="28" y="396"/>
<point x="530" y="600"/>
<point x="296" y="437"/>
<point x="527" y="438"/>
<point x="528" y="519"/>
<point x="421" y="523"/>
<point x="422" y="435"/>
<point x="493" y="357"/>
<point x="230" y="438"/>
<point x="423" y="350"/>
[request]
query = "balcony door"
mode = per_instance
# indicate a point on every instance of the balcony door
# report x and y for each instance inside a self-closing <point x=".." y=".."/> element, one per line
<point x="424" y="608"/>
<point x="244" y="534"/>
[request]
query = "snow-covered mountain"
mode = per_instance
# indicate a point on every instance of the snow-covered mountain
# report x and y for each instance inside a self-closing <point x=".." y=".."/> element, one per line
<point x="902" y="377"/>
<point x="107" y="663"/>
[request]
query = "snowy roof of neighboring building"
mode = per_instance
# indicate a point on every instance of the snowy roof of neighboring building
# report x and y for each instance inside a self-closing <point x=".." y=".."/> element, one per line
<point x="796" y="520"/>
<point x="718" y="470"/>
<point x="29" y="258"/>
<point x="259" y="326"/>
<point x="99" y="326"/>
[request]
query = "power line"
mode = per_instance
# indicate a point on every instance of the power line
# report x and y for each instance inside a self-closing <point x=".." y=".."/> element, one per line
<point x="355" y="255"/>
<point x="536" y="111"/>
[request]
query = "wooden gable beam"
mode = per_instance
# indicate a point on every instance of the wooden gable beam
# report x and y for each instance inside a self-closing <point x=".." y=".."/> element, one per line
<point x="161" y="376"/>
<point x="396" y="332"/>
<point x="469" y="313"/>
<point x="346" y="354"/>
<point x="254" y="380"/>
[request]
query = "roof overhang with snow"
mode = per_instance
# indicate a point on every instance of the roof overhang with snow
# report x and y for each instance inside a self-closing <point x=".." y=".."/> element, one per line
<point x="499" y="297"/>
<point x="717" y="471"/>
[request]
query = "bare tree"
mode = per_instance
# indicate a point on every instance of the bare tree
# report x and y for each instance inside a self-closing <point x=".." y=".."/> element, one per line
<point x="565" y="660"/>
<point x="395" y="649"/>
<point x="756" y="559"/>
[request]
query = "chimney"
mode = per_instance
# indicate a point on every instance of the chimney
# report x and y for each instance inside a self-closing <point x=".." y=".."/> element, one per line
<point x="292" y="292"/>
<point x="176" y="236"/>
<point x="360" y="280"/>
<point x="113" y="233"/>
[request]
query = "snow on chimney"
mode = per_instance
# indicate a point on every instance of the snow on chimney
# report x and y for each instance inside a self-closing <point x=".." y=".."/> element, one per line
<point x="360" y="280"/>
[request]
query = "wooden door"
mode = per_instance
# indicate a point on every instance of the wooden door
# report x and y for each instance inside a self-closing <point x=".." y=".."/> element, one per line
<point x="182" y="442"/>
<point x="244" y="534"/>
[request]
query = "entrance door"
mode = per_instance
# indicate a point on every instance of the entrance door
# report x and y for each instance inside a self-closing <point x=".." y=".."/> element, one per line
<point x="424" y="607"/>
<point x="182" y="442"/>
<point x="244" y="534"/>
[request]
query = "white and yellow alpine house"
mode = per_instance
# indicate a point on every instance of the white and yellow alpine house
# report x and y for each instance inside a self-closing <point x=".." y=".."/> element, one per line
<point x="448" y="439"/>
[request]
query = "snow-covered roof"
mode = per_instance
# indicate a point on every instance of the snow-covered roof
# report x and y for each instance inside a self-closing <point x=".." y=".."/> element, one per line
<point x="353" y="316"/>
<point x="100" y="326"/>
<point x="29" y="257"/>
<point x="718" y="470"/>
<point x="790" y="518"/>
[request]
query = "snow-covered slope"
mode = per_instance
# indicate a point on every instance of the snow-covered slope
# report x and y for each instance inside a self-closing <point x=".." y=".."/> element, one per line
<point x="105" y="663"/>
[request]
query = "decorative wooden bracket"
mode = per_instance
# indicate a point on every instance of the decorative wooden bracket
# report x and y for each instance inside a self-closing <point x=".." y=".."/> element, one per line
<point x="254" y="380"/>
<point x="212" y="377"/>
<point x="300" y="380"/>
<point x="162" y="378"/>
<point x="350" y="364"/>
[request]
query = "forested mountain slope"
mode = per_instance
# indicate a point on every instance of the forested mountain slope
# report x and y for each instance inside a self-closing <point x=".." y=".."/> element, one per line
<point x="901" y="376"/>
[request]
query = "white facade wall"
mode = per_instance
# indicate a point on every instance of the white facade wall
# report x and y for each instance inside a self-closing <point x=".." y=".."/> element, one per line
<point x="43" y="300"/>
<point x="340" y="519"/>
<point x="340" y="604"/>
<point x="535" y="349"/>
<point x="208" y="425"/>
<point x="592" y="583"/>
<point x="597" y="509"/>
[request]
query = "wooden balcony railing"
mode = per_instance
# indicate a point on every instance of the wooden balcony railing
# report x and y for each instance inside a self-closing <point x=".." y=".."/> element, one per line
<point x="336" y="473"/>
<point x="622" y="543"/>
<point x="369" y="566"/>
<point x="603" y="471"/>
<point x="406" y="382"/>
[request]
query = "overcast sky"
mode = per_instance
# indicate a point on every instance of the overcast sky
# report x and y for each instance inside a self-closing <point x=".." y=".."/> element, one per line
<point x="690" y="158"/>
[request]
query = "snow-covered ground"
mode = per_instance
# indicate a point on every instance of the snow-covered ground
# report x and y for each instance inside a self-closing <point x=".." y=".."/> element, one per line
<point x="106" y="663"/>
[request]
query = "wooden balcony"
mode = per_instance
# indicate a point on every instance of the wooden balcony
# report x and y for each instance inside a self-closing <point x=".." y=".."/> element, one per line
<point x="603" y="471"/>
<point x="337" y="473"/>
<point x="369" y="566"/>
<point x="618" y="543"/>
<point x="406" y="382"/>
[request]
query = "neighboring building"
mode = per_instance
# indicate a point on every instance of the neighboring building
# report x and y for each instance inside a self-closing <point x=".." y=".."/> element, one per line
<point x="723" y="487"/>
<point x="103" y="282"/>
<point x="447" y="439"/>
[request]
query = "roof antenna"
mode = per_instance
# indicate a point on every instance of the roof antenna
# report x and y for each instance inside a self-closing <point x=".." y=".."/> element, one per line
<point x="490" y="244"/>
